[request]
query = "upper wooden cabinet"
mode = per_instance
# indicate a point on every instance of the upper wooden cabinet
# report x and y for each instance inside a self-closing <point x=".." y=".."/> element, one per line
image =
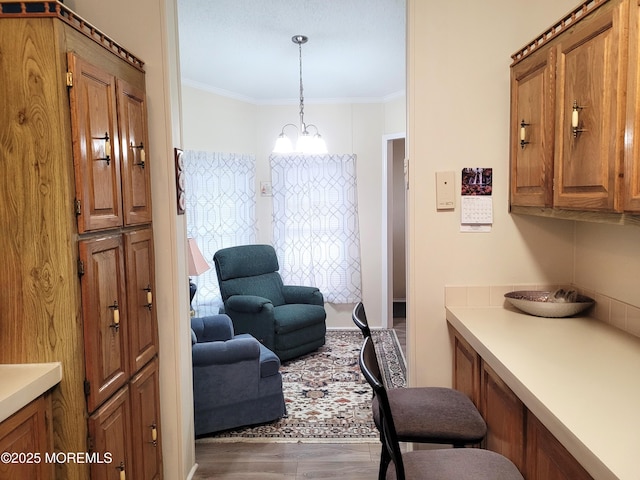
<point x="532" y="118"/>
<point x="573" y="113"/>
<point x="591" y="79"/>
<point x="109" y="126"/>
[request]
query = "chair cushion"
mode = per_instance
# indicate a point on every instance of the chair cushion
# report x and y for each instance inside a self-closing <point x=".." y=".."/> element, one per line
<point x="458" y="463"/>
<point x="297" y="316"/>
<point x="267" y="285"/>
<point x="433" y="415"/>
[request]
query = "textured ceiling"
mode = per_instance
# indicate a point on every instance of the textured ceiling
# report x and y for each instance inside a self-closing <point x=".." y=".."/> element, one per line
<point x="243" y="48"/>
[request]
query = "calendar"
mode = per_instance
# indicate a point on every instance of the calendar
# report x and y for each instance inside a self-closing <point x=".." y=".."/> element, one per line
<point x="476" y="206"/>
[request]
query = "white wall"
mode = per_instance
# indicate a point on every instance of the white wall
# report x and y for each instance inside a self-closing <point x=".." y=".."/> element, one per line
<point x="215" y="123"/>
<point x="458" y="116"/>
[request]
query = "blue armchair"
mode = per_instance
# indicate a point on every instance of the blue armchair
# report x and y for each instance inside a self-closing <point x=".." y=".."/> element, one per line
<point x="236" y="380"/>
<point x="287" y="319"/>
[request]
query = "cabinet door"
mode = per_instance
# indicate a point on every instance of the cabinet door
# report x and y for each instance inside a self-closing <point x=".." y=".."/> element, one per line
<point x="632" y="152"/>
<point x="109" y="431"/>
<point x="96" y="152"/>
<point x="104" y="317"/>
<point x="28" y="431"/>
<point x="532" y="130"/>
<point x="136" y="181"/>
<point x="505" y="416"/>
<point x="143" y="330"/>
<point x="591" y="79"/>
<point x="466" y="369"/>
<point x="145" y="407"/>
<point x="547" y="459"/>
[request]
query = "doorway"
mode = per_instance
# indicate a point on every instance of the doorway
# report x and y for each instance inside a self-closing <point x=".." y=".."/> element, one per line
<point x="394" y="210"/>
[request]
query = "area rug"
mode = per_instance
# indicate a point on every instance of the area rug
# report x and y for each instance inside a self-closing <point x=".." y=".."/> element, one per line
<point x="326" y="395"/>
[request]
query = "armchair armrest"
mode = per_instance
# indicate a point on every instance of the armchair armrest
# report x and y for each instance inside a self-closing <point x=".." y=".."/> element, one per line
<point x="302" y="294"/>
<point x="246" y="303"/>
<point x="224" y="353"/>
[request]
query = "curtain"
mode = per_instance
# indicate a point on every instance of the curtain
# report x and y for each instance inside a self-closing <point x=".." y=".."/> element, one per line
<point x="220" y="204"/>
<point x="315" y="223"/>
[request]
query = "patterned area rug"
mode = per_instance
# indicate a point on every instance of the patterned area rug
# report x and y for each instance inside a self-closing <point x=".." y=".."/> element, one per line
<point x="326" y="395"/>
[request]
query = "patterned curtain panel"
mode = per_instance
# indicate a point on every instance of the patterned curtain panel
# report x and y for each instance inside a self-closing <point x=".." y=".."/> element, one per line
<point x="315" y="223"/>
<point x="220" y="202"/>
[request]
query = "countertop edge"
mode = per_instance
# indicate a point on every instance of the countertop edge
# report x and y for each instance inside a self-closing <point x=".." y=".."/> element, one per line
<point x="48" y="375"/>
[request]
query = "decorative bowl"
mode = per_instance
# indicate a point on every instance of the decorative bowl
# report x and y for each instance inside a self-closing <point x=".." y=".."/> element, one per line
<point x="539" y="303"/>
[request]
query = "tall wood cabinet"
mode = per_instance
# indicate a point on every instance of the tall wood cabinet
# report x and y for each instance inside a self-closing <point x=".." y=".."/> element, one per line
<point x="574" y="113"/>
<point x="76" y="234"/>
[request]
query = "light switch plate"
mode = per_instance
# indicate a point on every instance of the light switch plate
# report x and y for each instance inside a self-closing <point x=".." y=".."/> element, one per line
<point x="445" y="190"/>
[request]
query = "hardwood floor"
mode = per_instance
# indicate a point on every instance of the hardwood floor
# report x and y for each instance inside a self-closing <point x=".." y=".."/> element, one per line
<point x="291" y="461"/>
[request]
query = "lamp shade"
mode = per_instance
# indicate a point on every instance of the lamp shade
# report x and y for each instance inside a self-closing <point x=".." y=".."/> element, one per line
<point x="197" y="264"/>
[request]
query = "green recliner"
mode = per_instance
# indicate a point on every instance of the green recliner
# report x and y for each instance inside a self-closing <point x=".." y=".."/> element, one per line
<point x="289" y="320"/>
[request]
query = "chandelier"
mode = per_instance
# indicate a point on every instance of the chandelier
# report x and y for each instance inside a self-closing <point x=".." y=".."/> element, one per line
<point x="306" y="143"/>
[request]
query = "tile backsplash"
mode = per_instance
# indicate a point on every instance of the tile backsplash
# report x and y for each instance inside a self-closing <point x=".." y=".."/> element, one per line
<point x="619" y="314"/>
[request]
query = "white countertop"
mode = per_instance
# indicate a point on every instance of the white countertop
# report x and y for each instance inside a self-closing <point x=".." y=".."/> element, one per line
<point x="24" y="382"/>
<point x="580" y="377"/>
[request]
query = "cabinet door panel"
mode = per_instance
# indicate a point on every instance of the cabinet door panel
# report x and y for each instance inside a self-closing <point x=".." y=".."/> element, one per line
<point x="505" y="416"/>
<point x="632" y="152"/>
<point x="104" y="317"/>
<point x="28" y="431"/>
<point x="532" y="131"/>
<point x="136" y="181"/>
<point x="96" y="154"/>
<point x="145" y="407"/>
<point x="547" y="459"/>
<point x="466" y="369"/>
<point x="143" y="332"/>
<point x="591" y="75"/>
<point x="109" y="429"/>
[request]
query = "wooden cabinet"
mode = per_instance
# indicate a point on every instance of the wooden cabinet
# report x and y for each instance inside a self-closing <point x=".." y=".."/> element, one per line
<point x="466" y="365"/>
<point x="591" y="84"/>
<point x="505" y="417"/>
<point x="76" y="230"/>
<point x="512" y="430"/>
<point x="28" y="433"/>
<point x="547" y="459"/>
<point x="578" y="84"/>
<point x="532" y="132"/>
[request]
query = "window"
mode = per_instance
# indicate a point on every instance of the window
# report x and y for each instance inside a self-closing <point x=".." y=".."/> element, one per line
<point x="315" y="223"/>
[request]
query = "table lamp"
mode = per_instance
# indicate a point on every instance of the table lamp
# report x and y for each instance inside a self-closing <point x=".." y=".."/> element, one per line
<point x="197" y="266"/>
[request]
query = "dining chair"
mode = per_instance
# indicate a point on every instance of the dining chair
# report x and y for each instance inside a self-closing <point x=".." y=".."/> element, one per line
<point x="439" y="464"/>
<point x="437" y="415"/>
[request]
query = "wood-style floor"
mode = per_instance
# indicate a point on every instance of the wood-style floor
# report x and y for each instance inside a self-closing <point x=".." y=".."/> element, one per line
<point x="291" y="461"/>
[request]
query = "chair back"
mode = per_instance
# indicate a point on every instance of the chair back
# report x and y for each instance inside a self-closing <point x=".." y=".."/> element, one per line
<point x="249" y="270"/>
<point x="359" y="317"/>
<point x="371" y="370"/>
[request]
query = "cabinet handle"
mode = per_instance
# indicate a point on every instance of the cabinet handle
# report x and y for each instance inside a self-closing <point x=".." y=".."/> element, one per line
<point x="143" y="155"/>
<point x="575" y="119"/>
<point x="149" y="296"/>
<point x="107" y="147"/>
<point x="154" y="434"/>
<point x="116" y="316"/>
<point x="523" y="134"/>
<point x="123" y="475"/>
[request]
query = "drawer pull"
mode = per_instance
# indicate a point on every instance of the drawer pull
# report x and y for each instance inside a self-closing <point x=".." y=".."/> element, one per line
<point x="575" y="119"/>
<point x="107" y="147"/>
<point x="143" y="155"/>
<point x="154" y="434"/>
<point x="123" y="475"/>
